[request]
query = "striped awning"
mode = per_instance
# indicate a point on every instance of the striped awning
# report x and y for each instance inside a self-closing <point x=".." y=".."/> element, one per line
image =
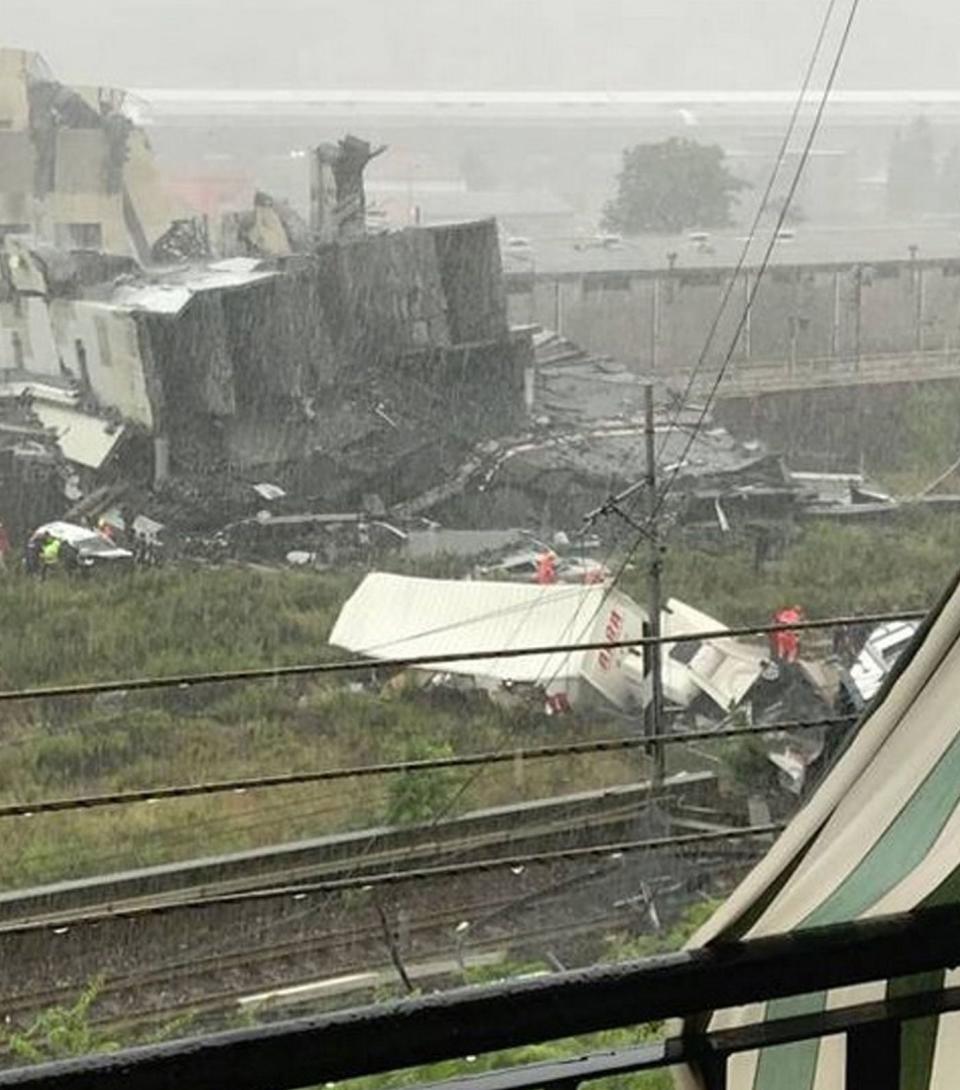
<point x="880" y="835"/>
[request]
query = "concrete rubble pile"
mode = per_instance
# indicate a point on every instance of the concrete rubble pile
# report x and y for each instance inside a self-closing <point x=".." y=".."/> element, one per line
<point x="365" y="368"/>
<point x="585" y="441"/>
<point x="372" y="375"/>
<point x="336" y="363"/>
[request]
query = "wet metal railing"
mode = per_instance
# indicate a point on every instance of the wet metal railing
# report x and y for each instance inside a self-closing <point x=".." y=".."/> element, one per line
<point x="455" y="1025"/>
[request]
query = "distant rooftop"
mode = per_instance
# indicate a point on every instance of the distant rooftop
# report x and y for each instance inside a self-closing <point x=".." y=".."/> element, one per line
<point x="691" y="106"/>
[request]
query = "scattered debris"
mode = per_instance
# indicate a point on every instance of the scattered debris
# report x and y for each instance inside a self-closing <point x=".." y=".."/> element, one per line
<point x="841" y="496"/>
<point x="543" y="565"/>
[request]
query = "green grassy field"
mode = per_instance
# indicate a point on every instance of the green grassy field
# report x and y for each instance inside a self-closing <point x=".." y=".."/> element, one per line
<point x="191" y="620"/>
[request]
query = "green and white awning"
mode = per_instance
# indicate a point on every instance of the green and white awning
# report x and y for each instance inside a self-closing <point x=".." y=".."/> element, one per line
<point x="881" y="835"/>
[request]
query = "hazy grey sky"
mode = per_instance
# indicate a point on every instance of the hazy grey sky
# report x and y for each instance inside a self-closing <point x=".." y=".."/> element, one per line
<point x="496" y="44"/>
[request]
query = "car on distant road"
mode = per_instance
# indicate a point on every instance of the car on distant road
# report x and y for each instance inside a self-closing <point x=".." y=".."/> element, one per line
<point x="603" y="241"/>
<point x="610" y="241"/>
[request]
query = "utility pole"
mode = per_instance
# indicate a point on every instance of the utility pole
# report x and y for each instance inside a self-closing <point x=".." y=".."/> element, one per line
<point x="652" y="661"/>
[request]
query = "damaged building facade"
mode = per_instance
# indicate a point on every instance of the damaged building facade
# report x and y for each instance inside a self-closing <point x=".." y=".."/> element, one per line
<point x="365" y="366"/>
<point x="363" y="363"/>
<point x="75" y="171"/>
<point x="336" y="363"/>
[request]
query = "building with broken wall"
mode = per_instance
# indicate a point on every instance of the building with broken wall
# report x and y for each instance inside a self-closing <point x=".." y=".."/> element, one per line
<point x="368" y="366"/>
<point x="343" y="365"/>
<point x="72" y="384"/>
<point x="75" y="171"/>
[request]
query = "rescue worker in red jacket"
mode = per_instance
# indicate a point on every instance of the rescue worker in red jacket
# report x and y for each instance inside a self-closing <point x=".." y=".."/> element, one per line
<point x="785" y="643"/>
<point x="546" y="567"/>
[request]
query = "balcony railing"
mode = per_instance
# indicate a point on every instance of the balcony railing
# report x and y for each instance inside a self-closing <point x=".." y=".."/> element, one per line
<point x="454" y="1025"/>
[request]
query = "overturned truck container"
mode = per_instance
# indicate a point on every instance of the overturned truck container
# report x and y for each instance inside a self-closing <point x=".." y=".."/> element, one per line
<point x="395" y="617"/>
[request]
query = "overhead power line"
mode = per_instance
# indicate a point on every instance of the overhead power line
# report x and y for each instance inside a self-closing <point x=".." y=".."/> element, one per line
<point x="61" y="923"/>
<point x="758" y="216"/>
<point x="266" y="673"/>
<point x="768" y="253"/>
<point x="642" y="531"/>
<point x="292" y="779"/>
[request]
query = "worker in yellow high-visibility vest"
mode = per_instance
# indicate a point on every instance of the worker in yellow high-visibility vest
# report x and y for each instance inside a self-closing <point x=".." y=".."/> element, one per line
<point x="49" y="555"/>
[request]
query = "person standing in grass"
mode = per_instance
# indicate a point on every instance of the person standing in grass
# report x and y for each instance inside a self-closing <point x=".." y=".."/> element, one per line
<point x="49" y="555"/>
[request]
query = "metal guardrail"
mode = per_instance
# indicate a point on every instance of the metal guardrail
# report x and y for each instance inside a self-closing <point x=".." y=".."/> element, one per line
<point x="454" y="1025"/>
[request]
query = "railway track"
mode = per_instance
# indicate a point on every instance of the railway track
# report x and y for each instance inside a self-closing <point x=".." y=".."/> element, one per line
<point x="501" y="830"/>
<point x="152" y="976"/>
<point x="548" y="906"/>
<point x="437" y="960"/>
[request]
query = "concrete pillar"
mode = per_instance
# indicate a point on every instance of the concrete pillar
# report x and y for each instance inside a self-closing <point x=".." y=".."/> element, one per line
<point x="323" y="194"/>
<point x="835" y="328"/>
<point x="338" y="206"/>
<point x="655" y="325"/>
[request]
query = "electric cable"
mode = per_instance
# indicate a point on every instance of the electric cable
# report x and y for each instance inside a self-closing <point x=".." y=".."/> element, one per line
<point x="768" y="253"/>
<point x="269" y="673"/>
<point x="500" y="756"/>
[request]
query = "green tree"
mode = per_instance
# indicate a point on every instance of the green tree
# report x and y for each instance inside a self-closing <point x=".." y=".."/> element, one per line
<point x="415" y="797"/>
<point x="668" y="187"/>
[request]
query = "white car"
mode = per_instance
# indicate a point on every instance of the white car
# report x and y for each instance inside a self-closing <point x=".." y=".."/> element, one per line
<point x="883" y="647"/>
<point x="92" y="548"/>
